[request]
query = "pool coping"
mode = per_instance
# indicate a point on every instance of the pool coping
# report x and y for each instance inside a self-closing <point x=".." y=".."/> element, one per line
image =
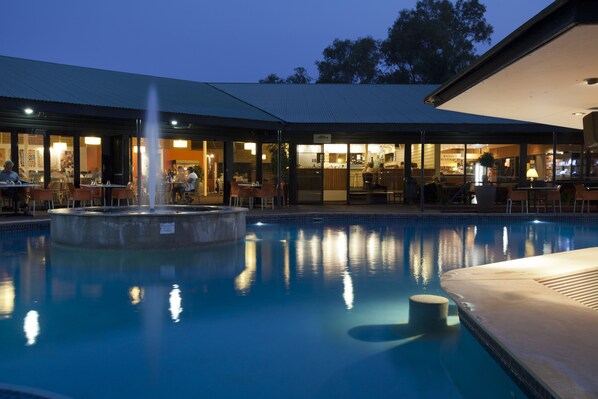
<point x="542" y="338"/>
<point x="28" y="224"/>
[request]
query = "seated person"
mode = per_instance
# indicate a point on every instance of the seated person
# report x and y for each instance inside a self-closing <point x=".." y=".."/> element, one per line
<point x="368" y="176"/>
<point x="16" y="194"/>
<point x="180" y="181"/>
<point x="378" y="178"/>
<point x="191" y="179"/>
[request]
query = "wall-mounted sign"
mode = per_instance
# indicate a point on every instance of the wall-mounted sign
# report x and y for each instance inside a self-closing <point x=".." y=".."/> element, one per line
<point x="322" y="138"/>
<point x="167" y="228"/>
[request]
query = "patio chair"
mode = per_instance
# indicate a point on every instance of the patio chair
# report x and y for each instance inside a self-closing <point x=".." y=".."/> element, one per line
<point x="266" y="193"/>
<point x="42" y="194"/>
<point x="77" y="194"/>
<point x="583" y="195"/>
<point x="517" y="195"/>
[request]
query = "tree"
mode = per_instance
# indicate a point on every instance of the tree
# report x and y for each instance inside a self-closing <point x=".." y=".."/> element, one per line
<point x="347" y="61"/>
<point x="272" y="78"/>
<point x="299" y="77"/>
<point x="435" y="41"/>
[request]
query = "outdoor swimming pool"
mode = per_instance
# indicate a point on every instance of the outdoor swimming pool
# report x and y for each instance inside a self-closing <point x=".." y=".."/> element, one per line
<point x="310" y="310"/>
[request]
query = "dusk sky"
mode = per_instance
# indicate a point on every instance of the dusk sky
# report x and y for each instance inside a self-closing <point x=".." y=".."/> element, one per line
<point x="209" y="41"/>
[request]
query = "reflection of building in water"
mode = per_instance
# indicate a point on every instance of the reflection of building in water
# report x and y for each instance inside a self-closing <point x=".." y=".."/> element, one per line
<point x="244" y="280"/>
<point x="7" y="298"/>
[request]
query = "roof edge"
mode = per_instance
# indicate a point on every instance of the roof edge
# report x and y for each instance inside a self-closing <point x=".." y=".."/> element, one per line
<point x="550" y="23"/>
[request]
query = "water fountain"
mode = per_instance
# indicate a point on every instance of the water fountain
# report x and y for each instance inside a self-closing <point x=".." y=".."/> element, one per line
<point x="147" y="227"/>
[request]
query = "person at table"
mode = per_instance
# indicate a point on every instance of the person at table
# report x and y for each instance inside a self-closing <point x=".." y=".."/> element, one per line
<point x="18" y="195"/>
<point x="180" y="181"/>
<point x="191" y="179"/>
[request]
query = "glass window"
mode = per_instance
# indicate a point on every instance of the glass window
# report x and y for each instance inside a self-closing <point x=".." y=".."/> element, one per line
<point x="61" y="158"/>
<point x="568" y="162"/>
<point x="90" y="165"/>
<point x="244" y="165"/>
<point x="31" y="157"/>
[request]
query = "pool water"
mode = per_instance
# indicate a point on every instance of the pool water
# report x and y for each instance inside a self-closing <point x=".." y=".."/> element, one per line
<point x="294" y="311"/>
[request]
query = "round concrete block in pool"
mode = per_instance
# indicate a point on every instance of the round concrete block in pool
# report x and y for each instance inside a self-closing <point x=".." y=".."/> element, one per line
<point x="428" y="313"/>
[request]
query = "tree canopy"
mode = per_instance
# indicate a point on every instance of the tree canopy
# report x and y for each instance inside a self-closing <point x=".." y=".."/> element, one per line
<point x="347" y="61"/>
<point x="428" y="44"/>
<point x="300" y="76"/>
<point x="435" y="41"/>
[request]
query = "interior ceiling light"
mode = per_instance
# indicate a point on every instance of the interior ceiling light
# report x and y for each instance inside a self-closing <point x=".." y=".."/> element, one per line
<point x="58" y="146"/>
<point x="28" y="111"/>
<point x="179" y="143"/>
<point x="591" y="81"/>
<point x="174" y="122"/>
<point x="578" y="113"/>
<point x="93" y="140"/>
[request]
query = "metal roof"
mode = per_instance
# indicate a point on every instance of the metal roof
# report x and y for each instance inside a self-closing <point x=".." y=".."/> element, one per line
<point x="366" y="107"/>
<point x="349" y="103"/>
<point x="44" y="81"/>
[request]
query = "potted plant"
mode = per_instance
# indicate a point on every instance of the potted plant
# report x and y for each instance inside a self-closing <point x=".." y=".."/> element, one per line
<point x="486" y="193"/>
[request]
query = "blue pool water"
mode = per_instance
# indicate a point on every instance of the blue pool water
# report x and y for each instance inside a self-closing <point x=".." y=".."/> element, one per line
<point x="295" y="311"/>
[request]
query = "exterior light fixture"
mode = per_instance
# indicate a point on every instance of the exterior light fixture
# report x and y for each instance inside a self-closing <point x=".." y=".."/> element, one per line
<point x="591" y="81"/>
<point x="28" y="111"/>
<point x="179" y="143"/>
<point x="93" y="140"/>
<point x="174" y="122"/>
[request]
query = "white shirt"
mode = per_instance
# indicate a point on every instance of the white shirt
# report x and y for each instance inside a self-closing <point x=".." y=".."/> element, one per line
<point x="191" y="181"/>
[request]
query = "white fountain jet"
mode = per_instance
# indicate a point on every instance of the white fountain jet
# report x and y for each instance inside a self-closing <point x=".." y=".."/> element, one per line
<point x="151" y="132"/>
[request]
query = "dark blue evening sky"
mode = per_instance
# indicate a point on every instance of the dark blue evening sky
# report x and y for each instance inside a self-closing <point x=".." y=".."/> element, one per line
<point x="211" y="41"/>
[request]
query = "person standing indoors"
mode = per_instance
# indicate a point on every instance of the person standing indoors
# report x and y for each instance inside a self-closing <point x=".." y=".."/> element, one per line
<point x="180" y="181"/>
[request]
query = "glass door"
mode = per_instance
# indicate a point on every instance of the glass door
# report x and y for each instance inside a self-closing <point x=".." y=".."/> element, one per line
<point x="310" y="174"/>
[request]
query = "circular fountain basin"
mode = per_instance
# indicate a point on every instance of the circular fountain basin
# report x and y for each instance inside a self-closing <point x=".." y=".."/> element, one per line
<point x="138" y="227"/>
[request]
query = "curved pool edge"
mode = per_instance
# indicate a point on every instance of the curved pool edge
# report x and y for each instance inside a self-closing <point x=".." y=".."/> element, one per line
<point x="138" y="228"/>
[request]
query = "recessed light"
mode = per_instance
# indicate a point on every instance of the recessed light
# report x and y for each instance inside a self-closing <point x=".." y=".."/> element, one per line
<point x="591" y="81"/>
<point x="28" y="111"/>
<point x="174" y="122"/>
<point x="578" y="113"/>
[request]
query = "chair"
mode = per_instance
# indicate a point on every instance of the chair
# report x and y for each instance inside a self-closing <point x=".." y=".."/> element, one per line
<point x="246" y="192"/>
<point x="97" y="193"/>
<point x="190" y="196"/>
<point x="233" y="200"/>
<point x="368" y="180"/>
<point x="554" y="196"/>
<point x="42" y="194"/>
<point x="583" y="195"/>
<point x="77" y="194"/>
<point x="266" y="193"/>
<point x="517" y="195"/>
<point x="122" y="193"/>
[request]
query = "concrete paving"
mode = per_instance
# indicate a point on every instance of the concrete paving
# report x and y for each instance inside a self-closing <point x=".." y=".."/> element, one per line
<point x="552" y="337"/>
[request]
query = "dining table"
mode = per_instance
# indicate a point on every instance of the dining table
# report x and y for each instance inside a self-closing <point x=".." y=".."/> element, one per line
<point x="5" y="185"/>
<point x="106" y="190"/>
<point x="251" y="187"/>
<point x="534" y="191"/>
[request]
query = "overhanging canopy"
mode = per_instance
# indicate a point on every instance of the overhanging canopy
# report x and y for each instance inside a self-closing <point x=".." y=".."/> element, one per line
<point x="536" y="74"/>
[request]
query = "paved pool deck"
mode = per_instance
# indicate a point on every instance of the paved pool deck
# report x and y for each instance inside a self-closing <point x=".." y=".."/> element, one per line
<point x="539" y="318"/>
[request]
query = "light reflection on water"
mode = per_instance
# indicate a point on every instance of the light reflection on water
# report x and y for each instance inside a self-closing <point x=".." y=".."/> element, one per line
<point x="284" y="302"/>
